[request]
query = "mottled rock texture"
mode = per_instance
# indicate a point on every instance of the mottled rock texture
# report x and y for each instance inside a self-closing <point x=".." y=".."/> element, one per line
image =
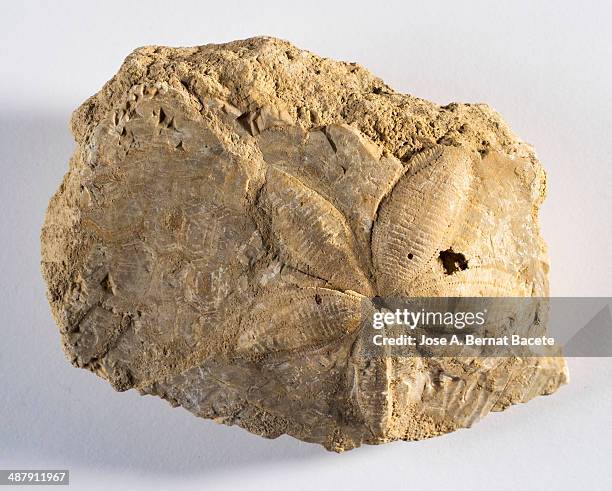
<point x="229" y="209"/>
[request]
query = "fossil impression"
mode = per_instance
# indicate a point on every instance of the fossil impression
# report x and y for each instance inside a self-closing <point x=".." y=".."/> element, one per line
<point x="230" y="209"/>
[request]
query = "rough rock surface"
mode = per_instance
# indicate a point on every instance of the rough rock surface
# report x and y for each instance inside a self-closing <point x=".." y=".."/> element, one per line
<point x="230" y="207"/>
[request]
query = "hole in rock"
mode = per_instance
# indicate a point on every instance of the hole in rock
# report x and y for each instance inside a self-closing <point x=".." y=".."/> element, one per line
<point x="453" y="261"/>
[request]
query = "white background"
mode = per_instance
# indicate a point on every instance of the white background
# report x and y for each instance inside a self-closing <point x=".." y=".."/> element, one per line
<point x="545" y="66"/>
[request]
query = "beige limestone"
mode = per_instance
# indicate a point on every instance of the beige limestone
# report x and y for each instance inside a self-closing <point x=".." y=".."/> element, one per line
<point x="229" y="208"/>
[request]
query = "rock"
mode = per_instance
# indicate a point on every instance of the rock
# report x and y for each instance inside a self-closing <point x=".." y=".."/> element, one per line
<point x="230" y="208"/>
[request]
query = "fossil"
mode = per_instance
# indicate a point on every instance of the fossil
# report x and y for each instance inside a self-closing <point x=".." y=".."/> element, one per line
<point x="230" y="210"/>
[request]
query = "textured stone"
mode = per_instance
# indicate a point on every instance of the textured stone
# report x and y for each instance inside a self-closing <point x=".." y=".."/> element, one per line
<point x="229" y="208"/>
